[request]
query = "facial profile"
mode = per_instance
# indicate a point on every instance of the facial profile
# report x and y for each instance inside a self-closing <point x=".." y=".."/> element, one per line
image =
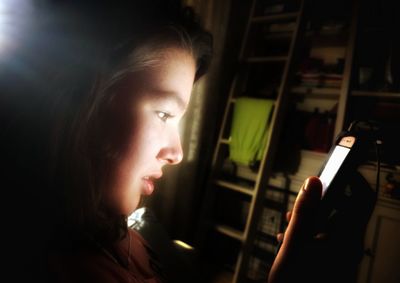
<point x="119" y="125"/>
<point x="148" y="106"/>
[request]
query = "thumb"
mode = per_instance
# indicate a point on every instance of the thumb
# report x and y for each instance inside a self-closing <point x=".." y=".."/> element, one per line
<point x="299" y="231"/>
<point x="304" y="212"/>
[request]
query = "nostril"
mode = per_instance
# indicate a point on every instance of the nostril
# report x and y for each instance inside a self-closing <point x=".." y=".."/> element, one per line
<point x="169" y="156"/>
<point x="175" y="159"/>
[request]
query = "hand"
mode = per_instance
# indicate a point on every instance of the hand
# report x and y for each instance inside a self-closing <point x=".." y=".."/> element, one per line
<point x="299" y="231"/>
<point x="308" y="256"/>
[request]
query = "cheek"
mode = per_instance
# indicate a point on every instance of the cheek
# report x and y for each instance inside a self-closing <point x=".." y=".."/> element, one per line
<point x="140" y="149"/>
<point x="137" y="162"/>
<point x="147" y="151"/>
<point x="125" y="189"/>
<point x="144" y="140"/>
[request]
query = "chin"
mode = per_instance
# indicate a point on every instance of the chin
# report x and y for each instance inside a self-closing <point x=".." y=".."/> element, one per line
<point x="134" y="206"/>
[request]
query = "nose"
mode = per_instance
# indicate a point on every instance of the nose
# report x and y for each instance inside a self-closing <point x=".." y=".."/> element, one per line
<point x="172" y="152"/>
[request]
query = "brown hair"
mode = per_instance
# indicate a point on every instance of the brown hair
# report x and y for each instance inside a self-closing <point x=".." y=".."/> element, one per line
<point x="83" y="154"/>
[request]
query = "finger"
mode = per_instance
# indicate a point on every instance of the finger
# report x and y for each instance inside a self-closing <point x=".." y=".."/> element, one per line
<point x="279" y="237"/>
<point x="299" y="229"/>
<point x="304" y="210"/>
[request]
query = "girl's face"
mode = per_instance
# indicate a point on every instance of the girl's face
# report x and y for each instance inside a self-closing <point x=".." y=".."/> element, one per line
<point x="149" y="106"/>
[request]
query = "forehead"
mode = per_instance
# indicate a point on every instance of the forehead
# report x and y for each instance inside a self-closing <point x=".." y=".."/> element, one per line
<point x="153" y="54"/>
<point x="173" y="76"/>
<point x="166" y="73"/>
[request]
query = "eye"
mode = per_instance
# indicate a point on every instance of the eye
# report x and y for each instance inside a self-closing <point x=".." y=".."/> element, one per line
<point x="164" y="116"/>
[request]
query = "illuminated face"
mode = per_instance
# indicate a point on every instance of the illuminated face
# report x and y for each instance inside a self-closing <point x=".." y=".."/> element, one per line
<point x="150" y="104"/>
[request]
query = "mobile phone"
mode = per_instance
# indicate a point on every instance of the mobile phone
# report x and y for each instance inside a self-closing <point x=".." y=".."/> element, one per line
<point x="336" y="159"/>
<point x="342" y="189"/>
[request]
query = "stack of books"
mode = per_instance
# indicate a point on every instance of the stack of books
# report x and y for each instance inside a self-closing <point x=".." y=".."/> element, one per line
<point x="325" y="80"/>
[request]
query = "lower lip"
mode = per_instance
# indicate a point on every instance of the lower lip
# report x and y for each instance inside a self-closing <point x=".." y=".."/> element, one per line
<point x="149" y="187"/>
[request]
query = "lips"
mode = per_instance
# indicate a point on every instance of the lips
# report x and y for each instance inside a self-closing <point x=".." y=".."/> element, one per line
<point x="149" y="183"/>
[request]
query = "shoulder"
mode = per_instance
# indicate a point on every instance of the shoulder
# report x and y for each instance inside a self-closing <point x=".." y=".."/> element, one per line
<point x="85" y="265"/>
<point x="92" y="263"/>
<point x="80" y="266"/>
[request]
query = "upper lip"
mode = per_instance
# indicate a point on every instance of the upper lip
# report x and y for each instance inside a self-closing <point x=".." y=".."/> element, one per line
<point x="157" y="175"/>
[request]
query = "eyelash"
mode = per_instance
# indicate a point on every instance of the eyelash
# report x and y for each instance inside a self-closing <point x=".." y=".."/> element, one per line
<point x="164" y="116"/>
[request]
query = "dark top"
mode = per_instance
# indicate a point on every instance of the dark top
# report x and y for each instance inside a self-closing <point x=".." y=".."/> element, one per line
<point x="129" y="260"/>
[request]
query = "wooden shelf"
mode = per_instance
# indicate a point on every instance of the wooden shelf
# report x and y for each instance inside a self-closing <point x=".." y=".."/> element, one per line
<point x="313" y="154"/>
<point x="224" y="141"/>
<point x="266" y="59"/>
<point x="379" y="94"/>
<point x="329" y="93"/>
<point x="271" y="239"/>
<point x="230" y="232"/>
<point x="328" y="39"/>
<point x="389" y="201"/>
<point x="384" y="167"/>
<point x="277" y="17"/>
<point x="235" y="187"/>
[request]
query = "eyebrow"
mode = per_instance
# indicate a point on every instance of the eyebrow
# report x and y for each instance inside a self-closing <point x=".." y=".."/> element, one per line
<point x="169" y="95"/>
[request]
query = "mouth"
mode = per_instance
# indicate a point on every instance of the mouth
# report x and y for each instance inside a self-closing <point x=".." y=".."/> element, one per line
<point x="149" y="183"/>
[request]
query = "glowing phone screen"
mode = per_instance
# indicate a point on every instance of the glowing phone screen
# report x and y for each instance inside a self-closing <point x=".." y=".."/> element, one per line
<point x="332" y="166"/>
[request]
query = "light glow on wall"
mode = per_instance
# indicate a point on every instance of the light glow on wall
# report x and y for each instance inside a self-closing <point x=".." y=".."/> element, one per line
<point x="14" y="16"/>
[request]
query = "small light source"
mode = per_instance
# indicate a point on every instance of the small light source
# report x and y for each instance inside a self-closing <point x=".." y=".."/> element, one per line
<point x="183" y="245"/>
<point x="136" y="217"/>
